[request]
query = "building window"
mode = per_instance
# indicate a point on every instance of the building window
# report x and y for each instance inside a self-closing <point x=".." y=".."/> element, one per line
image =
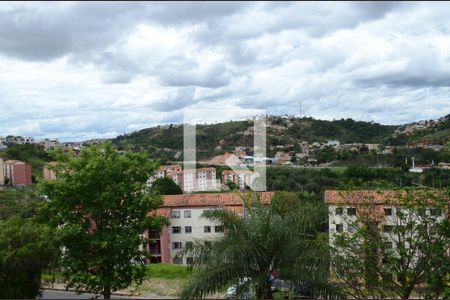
<point x="339" y="227"/>
<point x="351" y="211"/>
<point x="387" y="228"/>
<point x="177" y="245"/>
<point x="189" y="260"/>
<point x="187" y="229"/>
<point x="189" y="245"/>
<point x="176" y="229"/>
<point x="178" y="260"/>
<point x="207" y="228"/>
<point x="422" y="212"/>
<point x="352" y="229"/>
<point x="435" y="212"/>
<point x="187" y="213"/>
<point x="175" y="214"/>
<point x="218" y="229"/>
<point x="339" y="210"/>
<point x="388" y="211"/>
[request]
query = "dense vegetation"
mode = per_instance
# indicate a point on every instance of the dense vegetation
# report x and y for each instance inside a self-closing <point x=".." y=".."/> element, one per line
<point x="230" y="134"/>
<point x="99" y="208"/>
<point x="26" y="246"/>
<point x="33" y="154"/>
<point x="317" y="180"/>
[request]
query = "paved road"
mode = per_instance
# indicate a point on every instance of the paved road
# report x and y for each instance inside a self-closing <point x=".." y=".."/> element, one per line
<point x="52" y="294"/>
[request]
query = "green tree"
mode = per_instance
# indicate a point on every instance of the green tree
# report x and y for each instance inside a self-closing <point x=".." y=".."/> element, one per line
<point x="100" y="207"/>
<point x="377" y="258"/>
<point x="26" y="248"/>
<point x="166" y="186"/>
<point x="231" y="185"/>
<point x="264" y="242"/>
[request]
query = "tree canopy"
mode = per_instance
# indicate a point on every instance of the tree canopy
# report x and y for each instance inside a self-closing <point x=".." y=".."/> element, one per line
<point x="166" y="186"/>
<point x="100" y="208"/>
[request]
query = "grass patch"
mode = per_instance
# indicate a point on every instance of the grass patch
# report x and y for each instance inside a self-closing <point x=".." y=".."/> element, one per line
<point x="167" y="271"/>
<point x="161" y="287"/>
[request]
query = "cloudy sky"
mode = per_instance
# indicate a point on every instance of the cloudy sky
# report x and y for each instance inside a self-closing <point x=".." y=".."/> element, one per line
<point x="76" y="71"/>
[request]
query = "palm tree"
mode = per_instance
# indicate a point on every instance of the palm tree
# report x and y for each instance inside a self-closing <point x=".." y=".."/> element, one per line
<point x="267" y="241"/>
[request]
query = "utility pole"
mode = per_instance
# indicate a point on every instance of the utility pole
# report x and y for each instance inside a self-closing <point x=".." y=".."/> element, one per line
<point x="300" y="104"/>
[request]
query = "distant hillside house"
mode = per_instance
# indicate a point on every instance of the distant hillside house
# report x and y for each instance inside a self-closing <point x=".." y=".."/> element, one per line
<point x="226" y="159"/>
<point x="282" y="158"/>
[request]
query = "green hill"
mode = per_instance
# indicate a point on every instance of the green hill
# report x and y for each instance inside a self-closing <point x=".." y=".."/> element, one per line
<point x="435" y="132"/>
<point x="165" y="141"/>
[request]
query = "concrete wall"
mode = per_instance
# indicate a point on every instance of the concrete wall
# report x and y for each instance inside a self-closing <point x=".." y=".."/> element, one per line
<point x="21" y="174"/>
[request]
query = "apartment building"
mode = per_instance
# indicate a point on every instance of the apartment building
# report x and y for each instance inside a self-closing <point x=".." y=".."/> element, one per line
<point x="382" y="207"/>
<point x="242" y="178"/>
<point x="164" y="171"/>
<point x="48" y="173"/>
<point x="2" y="172"/>
<point x="194" y="180"/>
<point x="17" y="173"/>
<point x="187" y="224"/>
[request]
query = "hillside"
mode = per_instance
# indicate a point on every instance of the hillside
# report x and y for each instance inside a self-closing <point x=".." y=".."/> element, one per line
<point x="427" y="131"/>
<point x="166" y="141"/>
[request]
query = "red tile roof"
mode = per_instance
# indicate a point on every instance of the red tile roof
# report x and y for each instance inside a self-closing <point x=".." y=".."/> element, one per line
<point x="392" y="197"/>
<point x="210" y="199"/>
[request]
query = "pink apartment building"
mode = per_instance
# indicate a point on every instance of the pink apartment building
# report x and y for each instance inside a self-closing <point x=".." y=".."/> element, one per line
<point x="48" y="173"/>
<point x="242" y="178"/>
<point x="17" y="172"/>
<point x="193" y="180"/>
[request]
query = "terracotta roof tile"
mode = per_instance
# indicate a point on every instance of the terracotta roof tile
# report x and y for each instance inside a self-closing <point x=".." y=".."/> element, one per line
<point x="392" y="197"/>
<point x="209" y="199"/>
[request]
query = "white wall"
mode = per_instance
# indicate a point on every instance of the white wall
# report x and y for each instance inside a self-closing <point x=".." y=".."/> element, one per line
<point x="196" y="222"/>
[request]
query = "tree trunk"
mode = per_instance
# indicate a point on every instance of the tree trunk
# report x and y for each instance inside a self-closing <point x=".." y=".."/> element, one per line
<point x="407" y="292"/>
<point x="106" y="292"/>
<point x="264" y="292"/>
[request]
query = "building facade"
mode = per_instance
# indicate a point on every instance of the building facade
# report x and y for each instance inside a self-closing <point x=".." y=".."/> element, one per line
<point x="48" y="173"/>
<point x="17" y="173"/>
<point x="2" y="172"/>
<point x="242" y="178"/>
<point x="194" y="180"/>
<point x="187" y="224"/>
<point x="384" y="208"/>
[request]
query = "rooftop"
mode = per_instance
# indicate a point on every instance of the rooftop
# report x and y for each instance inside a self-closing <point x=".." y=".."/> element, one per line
<point x="210" y="199"/>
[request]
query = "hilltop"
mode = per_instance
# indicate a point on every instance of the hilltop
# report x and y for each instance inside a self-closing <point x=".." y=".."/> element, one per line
<point x="281" y="130"/>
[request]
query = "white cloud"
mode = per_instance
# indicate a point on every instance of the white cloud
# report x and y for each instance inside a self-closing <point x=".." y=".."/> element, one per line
<point x="83" y="70"/>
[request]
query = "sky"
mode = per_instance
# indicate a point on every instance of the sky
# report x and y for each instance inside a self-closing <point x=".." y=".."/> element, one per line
<point x="77" y="71"/>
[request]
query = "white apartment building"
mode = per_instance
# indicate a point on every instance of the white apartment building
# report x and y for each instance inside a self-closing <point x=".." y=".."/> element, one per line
<point x="187" y="224"/>
<point x="344" y="208"/>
